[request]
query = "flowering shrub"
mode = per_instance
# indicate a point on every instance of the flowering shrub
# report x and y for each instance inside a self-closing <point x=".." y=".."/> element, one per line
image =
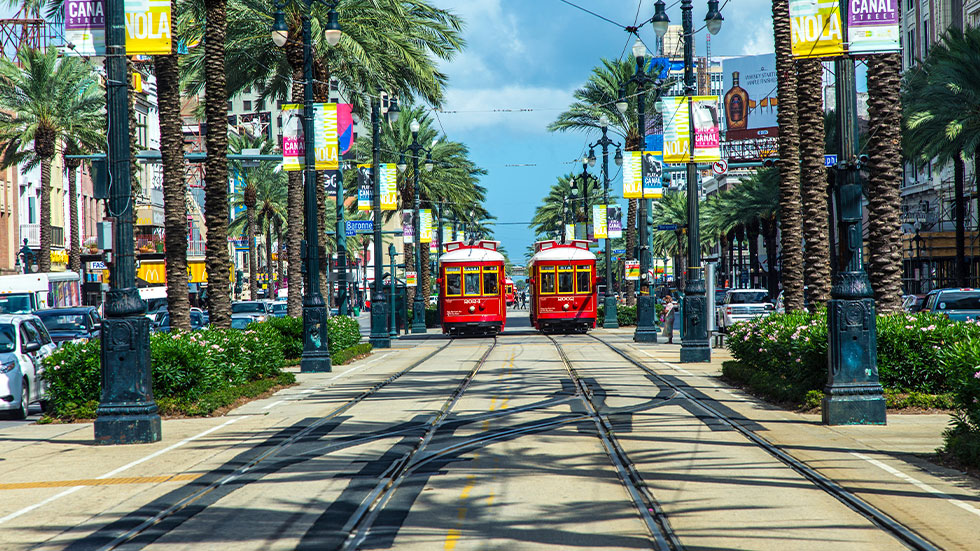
<point x="344" y="333"/>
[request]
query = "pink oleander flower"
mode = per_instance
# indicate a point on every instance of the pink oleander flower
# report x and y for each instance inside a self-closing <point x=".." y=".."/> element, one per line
<point x="975" y="375"/>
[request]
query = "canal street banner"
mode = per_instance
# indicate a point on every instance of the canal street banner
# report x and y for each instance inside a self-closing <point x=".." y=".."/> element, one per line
<point x="816" y="29"/>
<point x="147" y="27"/>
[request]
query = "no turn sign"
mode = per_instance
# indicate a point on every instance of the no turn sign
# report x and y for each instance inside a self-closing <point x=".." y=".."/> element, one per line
<point x="720" y="167"/>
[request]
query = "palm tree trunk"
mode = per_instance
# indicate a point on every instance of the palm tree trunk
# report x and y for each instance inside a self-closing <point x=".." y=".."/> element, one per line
<point x="425" y="282"/>
<point x="294" y="201"/>
<point x="44" y="256"/>
<point x="74" y="248"/>
<point x="630" y="285"/>
<point x="270" y="293"/>
<point x="789" y="161"/>
<point x="884" y="199"/>
<point x="216" y="166"/>
<point x="253" y="261"/>
<point x="174" y="190"/>
<point x="959" y="214"/>
<point x="408" y="249"/>
<point x="813" y="176"/>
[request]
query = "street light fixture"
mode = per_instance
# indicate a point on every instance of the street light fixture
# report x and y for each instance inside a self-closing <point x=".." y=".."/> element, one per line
<point x="660" y="20"/>
<point x="416" y="149"/>
<point x="316" y="348"/>
<point x="713" y="18"/>
<point x="611" y="320"/>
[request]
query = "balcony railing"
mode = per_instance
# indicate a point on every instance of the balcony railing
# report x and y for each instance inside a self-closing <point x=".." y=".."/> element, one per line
<point x="32" y="233"/>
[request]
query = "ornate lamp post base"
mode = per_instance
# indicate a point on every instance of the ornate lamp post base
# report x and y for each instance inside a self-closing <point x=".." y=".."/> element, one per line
<point x="418" y="316"/>
<point x="695" y="347"/>
<point x="646" y="329"/>
<point x="379" y="325"/>
<point x="316" y="351"/>
<point x="611" y="320"/>
<point x="127" y="413"/>
<point x="695" y="353"/>
<point x="853" y="395"/>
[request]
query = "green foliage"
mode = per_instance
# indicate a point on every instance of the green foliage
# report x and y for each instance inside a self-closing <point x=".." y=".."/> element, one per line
<point x="344" y="333"/>
<point x="209" y="402"/>
<point x="625" y="315"/>
<point x="349" y="354"/>
<point x="287" y="330"/>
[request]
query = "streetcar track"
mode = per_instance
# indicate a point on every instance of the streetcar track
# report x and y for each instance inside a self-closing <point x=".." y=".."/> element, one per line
<point x="268" y="454"/>
<point x="657" y="524"/>
<point x="877" y="517"/>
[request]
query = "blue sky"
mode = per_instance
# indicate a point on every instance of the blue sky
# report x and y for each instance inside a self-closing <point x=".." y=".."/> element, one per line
<point x="534" y="54"/>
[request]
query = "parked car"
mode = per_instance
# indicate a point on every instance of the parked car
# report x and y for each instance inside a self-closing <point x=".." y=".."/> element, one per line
<point x="260" y="310"/>
<point x="79" y="323"/>
<point x="742" y="305"/>
<point x="162" y="320"/>
<point x="241" y="321"/>
<point x="278" y="309"/>
<point x="24" y="342"/>
<point x="955" y="304"/>
<point x="913" y="303"/>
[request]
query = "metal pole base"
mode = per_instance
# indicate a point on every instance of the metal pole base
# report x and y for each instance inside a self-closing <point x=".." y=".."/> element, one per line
<point x="611" y="319"/>
<point x="379" y="325"/>
<point x="853" y="395"/>
<point x="127" y="413"/>
<point x="418" y="317"/>
<point x="316" y="344"/>
<point x="853" y="405"/>
<point x="699" y="352"/>
<point x="646" y="329"/>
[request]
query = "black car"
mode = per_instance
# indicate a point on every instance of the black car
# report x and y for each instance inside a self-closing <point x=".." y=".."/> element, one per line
<point x="71" y="324"/>
<point x="162" y="320"/>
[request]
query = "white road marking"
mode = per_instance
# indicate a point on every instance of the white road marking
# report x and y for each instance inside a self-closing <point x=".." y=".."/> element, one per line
<point x="273" y="404"/>
<point x="114" y="472"/>
<point x="668" y="364"/>
<point x="921" y="485"/>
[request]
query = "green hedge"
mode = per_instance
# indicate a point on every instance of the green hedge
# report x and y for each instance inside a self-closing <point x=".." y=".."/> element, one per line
<point x="349" y="354"/>
<point x="924" y="360"/>
<point x="625" y="315"/>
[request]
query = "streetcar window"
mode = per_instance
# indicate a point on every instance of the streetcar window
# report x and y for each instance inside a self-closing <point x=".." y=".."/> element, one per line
<point x="547" y="281"/>
<point x="454" y="283"/>
<point x="471" y="281"/>
<point x="490" y="282"/>
<point x="583" y="280"/>
<point x="566" y="279"/>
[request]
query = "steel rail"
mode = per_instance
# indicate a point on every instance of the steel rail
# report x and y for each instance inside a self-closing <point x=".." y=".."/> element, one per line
<point x="873" y="514"/>
<point x="270" y="453"/>
<point x="664" y="538"/>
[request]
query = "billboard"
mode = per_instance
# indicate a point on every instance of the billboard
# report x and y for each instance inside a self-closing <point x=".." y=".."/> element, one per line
<point x="750" y="103"/>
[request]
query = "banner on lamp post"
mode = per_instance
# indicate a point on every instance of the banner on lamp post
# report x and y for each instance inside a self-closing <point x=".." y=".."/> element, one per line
<point x="365" y="187"/>
<point x="614" y="221"/>
<point x="408" y="226"/>
<point x="85" y="27"/>
<point x="293" y="146"/>
<point x="653" y="168"/>
<point x="389" y="186"/>
<point x="872" y="26"/>
<point x="331" y="181"/>
<point x="632" y="270"/>
<point x="815" y="28"/>
<point x="569" y="232"/>
<point x="632" y="174"/>
<point x="677" y="129"/>
<point x="599" y="222"/>
<point x="425" y="226"/>
<point x="325" y="147"/>
<point x="460" y="235"/>
<point x="147" y="22"/>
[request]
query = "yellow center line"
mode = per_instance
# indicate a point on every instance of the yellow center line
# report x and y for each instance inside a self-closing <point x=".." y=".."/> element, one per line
<point x="98" y="481"/>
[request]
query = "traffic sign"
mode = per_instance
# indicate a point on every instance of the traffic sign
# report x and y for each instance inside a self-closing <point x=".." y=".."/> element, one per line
<point x="619" y="251"/>
<point x="353" y="227"/>
<point x="667" y="227"/>
<point x="720" y="167"/>
<point x="830" y="160"/>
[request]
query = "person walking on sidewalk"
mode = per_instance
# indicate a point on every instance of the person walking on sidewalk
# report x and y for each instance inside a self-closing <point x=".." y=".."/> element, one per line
<point x="669" y="308"/>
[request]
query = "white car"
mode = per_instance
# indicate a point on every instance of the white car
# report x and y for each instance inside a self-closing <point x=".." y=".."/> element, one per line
<point x="742" y="305"/>
<point x="24" y="342"/>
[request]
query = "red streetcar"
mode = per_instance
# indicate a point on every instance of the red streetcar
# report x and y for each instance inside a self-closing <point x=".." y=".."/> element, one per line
<point x="509" y="291"/>
<point x="471" y="289"/>
<point x="563" y="290"/>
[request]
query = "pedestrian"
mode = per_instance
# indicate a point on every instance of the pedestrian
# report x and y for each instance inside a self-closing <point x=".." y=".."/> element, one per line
<point x="669" y="319"/>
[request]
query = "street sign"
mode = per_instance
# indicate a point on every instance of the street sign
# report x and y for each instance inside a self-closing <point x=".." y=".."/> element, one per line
<point x="667" y="227"/>
<point x="353" y="227"/>
<point x="411" y="279"/>
<point x="618" y="251"/>
<point x="830" y="160"/>
<point x="719" y="167"/>
<point x="632" y="270"/>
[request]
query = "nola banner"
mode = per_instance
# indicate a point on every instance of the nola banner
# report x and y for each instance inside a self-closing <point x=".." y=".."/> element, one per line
<point x="614" y="221"/>
<point x="293" y="146"/>
<point x="599" y="222"/>
<point x="447" y="233"/>
<point x="425" y="226"/>
<point x="325" y="147"/>
<point x="365" y="188"/>
<point x="707" y="138"/>
<point x="632" y="174"/>
<point x="408" y="226"/>
<point x="643" y="175"/>
<point x="815" y="28"/>
<point x="389" y="186"/>
<point x="147" y="24"/>
<point x="569" y="233"/>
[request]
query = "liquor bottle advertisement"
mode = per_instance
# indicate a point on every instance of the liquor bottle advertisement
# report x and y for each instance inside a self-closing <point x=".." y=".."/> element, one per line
<point x="749" y="102"/>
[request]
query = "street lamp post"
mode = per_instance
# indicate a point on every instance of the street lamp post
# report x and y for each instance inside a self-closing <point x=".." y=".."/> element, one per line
<point x="341" y="233"/>
<point x="127" y="413"/>
<point x="646" y="329"/>
<point x="694" y="346"/>
<point x="316" y="348"/>
<point x="418" y="304"/>
<point x="393" y="330"/>
<point x="611" y="320"/>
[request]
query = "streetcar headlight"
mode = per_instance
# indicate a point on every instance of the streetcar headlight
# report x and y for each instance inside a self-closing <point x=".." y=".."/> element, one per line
<point x="472" y="309"/>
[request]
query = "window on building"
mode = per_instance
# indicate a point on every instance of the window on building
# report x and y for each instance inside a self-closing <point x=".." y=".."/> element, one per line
<point x="925" y="38"/>
<point x="247" y="105"/>
<point x="260" y="105"/>
<point x="231" y="105"/>
<point x="31" y="218"/>
<point x="911" y="48"/>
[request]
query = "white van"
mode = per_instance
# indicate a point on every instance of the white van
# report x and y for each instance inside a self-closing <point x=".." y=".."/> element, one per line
<point x="25" y="293"/>
<point x="155" y="297"/>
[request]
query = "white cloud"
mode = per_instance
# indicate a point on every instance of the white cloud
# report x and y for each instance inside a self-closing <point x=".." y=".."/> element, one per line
<point x="502" y="107"/>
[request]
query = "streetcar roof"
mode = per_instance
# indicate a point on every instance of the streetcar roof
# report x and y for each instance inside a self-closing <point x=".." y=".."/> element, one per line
<point x="478" y="253"/>
<point x="562" y="253"/>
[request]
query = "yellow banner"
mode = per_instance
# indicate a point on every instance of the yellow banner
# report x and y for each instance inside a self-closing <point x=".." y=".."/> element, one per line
<point x="325" y="150"/>
<point x="632" y="174"/>
<point x="389" y="186"/>
<point x="677" y="129"/>
<point x="815" y="28"/>
<point x="148" y="27"/>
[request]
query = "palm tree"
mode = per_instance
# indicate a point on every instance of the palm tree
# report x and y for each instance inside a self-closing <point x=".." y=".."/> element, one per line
<point x="561" y="206"/>
<point x="789" y="161"/>
<point x="46" y="102"/>
<point x="941" y="105"/>
<point x="597" y="98"/>
<point x="813" y="176"/>
<point x="264" y="197"/>
<point x="248" y="197"/>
